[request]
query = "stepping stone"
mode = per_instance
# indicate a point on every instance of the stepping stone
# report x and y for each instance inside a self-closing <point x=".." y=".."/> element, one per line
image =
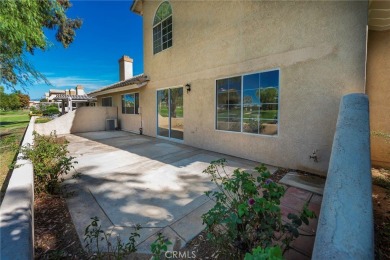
<point x="307" y="182"/>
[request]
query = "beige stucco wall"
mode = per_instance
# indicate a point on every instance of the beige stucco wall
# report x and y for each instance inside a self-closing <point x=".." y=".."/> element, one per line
<point x="378" y="90"/>
<point x="319" y="48"/>
<point x="83" y="119"/>
<point x="127" y="122"/>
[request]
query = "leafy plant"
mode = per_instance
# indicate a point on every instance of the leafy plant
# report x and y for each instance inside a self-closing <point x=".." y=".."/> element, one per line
<point x="269" y="253"/>
<point x="247" y="212"/>
<point x="49" y="156"/>
<point x="94" y="236"/>
<point x="51" y="110"/>
<point x="159" y="246"/>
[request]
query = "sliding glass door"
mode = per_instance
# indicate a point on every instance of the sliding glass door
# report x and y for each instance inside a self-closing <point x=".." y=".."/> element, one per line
<point x="170" y="113"/>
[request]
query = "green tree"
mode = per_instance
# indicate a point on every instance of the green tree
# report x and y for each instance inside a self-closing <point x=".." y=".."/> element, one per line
<point x="8" y="101"/>
<point x="268" y="95"/>
<point x="21" y="31"/>
<point x="176" y="99"/>
<point x="3" y="99"/>
<point x="24" y="99"/>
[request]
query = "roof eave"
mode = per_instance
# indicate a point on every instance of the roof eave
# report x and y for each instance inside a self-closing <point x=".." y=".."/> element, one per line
<point x="136" y="7"/>
<point x="130" y="87"/>
<point x="137" y="81"/>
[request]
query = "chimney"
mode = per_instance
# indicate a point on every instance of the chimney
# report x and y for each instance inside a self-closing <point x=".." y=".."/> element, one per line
<point x="80" y="90"/>
<point x="125" y="68"/>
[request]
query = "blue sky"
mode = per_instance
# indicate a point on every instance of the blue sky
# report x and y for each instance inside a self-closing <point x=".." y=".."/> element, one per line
<point x="109" y="31"/>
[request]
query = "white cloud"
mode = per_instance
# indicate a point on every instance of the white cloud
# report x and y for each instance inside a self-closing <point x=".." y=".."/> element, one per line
<point x="72" y="81"/>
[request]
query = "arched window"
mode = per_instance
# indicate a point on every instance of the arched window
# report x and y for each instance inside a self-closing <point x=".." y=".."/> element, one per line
<point x="162" y="28"/>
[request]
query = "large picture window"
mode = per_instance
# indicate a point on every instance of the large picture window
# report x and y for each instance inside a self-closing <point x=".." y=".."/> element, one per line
<point x="130" y="103"/>
<point x="107" y="102"/>
<point x="249" y="103"/>
<point x="162" y="28"/>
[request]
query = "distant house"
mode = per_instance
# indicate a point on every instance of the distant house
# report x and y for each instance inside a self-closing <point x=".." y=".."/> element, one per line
<point x="33" y="103"/>
<point x="69" y="99"/>
<point x="260" y="80"/>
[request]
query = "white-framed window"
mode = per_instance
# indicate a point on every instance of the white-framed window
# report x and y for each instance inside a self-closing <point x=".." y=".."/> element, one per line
<point x="130" y="103"/>
<point x="248" y="103"/>
<point x="107" y="102"/>
<point x="162" y="27"/>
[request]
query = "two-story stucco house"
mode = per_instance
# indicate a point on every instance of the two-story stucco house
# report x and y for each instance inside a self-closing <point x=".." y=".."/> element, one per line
<point x="260" y="80"/>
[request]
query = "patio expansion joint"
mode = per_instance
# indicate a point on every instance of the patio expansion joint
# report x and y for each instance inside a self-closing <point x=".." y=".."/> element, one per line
<point x="174" y="231"/>
<point x="101" y="207"/>
<point x="149" y="236"/>
<point x="171" y="224"/>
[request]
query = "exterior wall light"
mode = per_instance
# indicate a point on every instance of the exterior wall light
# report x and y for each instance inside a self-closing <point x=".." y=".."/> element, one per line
<point x="188" y="87"/>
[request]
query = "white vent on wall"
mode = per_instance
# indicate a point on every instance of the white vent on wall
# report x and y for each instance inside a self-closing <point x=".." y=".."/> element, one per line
<point x="111" y="124"/>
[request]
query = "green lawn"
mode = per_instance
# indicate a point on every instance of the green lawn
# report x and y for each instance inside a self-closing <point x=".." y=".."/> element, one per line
<point x="164" y="111"/>
<point x="10" y="120"/>
<point x="41" y="120"/>
<point x="12" y="127"/>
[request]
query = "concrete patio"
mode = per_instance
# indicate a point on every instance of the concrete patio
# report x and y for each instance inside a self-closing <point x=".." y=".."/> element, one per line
<point x="128" y="179"/>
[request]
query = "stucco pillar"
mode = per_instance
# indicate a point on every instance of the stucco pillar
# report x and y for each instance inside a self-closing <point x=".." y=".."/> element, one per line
<point x="346" y="226"/>
<point x="69" y="104"/>
<point x="63" y="106"/>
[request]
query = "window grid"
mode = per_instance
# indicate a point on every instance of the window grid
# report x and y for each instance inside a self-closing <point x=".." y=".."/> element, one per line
<point x="130" y="103"/>
<point x="107" y="102"/>
<point x="257" y="113"/>
<point x="162" y="35"/>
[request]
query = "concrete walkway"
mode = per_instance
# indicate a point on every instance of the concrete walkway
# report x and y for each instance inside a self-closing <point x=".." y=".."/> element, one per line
<point x="129" y="179"/>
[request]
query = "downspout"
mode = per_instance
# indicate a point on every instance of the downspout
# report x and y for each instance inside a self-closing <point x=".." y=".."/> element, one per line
<point x="117" y="117"/>
<point x="140" y="113"/>
<point x="139" y="108"/>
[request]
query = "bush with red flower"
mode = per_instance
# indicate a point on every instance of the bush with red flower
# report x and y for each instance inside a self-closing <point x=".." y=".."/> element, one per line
<point x="246" y="220"/>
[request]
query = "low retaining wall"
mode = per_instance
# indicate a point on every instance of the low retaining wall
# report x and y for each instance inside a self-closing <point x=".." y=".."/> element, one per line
<point x="16" y="212"/>
<point x="345" y="227"/>
<point x="83" y="119"/>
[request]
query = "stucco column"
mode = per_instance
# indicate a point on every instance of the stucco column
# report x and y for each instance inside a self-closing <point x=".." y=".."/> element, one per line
<point x="69" y="104"/>
<point x="63" y="106"/>
<point x="346" y="226"/>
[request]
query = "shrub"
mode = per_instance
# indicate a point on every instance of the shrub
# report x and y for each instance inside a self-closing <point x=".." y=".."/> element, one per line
<point x="159" y="246"/>
<point x="51" y="110"/>
<point x="247" y="213"/>
<point x="269" y="253"/>
<point x="33" y="109"/>
<point x="94" y="234"/>
<point x="50" y="159"/>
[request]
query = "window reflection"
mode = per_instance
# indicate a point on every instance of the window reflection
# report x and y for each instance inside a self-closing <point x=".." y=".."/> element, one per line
<point x="257" y="112"/>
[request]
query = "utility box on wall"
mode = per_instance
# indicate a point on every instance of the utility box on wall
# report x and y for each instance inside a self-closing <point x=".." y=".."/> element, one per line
<point x="111" y="124"/>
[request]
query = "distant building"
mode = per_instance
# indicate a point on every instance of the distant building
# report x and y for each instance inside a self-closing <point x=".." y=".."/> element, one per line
<point x="69" y="99"/>
<point x="33" y="103"/>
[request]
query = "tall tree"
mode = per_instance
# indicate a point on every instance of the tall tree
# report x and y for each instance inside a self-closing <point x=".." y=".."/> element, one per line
<point x="24" y="99"/>
<point x="21" y="31"/>
<point x="8" y="101"/>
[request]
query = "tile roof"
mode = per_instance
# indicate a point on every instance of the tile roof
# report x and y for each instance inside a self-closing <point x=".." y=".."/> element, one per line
<point x="73" y="97"/>
<point x="139" y="79"/>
